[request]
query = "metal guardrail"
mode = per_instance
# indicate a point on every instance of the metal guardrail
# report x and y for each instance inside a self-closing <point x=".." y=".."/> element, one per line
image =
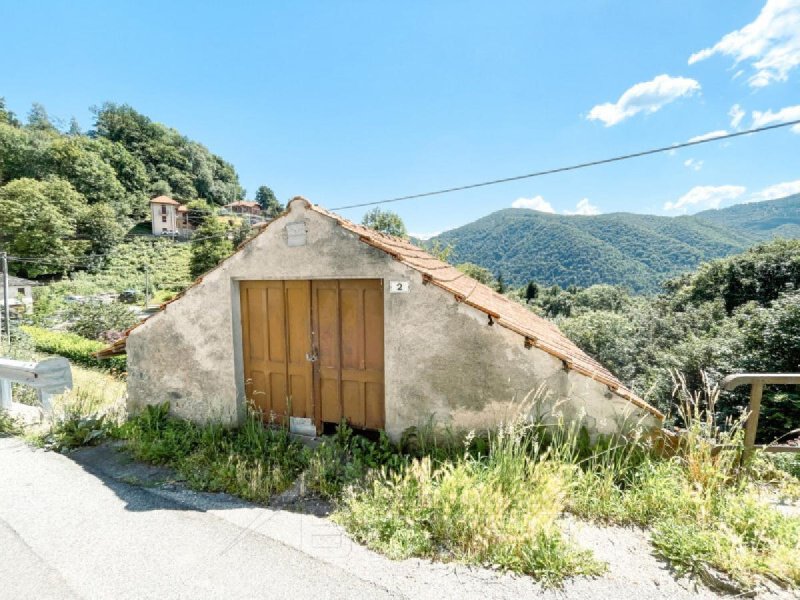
<point x="757" y="381"/>
<point x="48" y="377"/>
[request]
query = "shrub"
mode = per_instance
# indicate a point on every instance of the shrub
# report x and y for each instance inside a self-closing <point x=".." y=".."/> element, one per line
<point x="73" y="347"/>
<point x="8" y="424"/>
<point x="254" y="461"/>
<point x="346" y="459"/>
<point x="94" y="319"/>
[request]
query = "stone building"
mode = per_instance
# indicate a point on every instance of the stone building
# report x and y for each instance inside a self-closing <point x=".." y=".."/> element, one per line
<point x="321" y="319"/>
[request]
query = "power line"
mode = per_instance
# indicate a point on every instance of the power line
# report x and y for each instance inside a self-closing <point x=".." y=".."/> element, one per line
<point x="593" y="163"/>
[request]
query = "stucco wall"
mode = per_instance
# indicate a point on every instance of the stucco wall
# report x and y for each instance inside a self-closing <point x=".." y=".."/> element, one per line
<point x="158" y="225"/>
<point x="442" y="358"/>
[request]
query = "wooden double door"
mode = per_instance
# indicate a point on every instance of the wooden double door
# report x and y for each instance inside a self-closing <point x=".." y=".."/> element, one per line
<point x="314" y="349"/>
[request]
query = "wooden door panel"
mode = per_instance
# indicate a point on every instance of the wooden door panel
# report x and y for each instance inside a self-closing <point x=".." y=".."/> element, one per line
<point x="264" y="349"/>
<point x="298" y="327"/>
<point x="348" y="318"/>
<point x="325" y="306"/>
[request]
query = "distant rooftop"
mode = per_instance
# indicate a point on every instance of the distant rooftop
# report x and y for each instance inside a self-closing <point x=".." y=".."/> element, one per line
<point x="19" y="282"/>
<point x="164" y="200"/>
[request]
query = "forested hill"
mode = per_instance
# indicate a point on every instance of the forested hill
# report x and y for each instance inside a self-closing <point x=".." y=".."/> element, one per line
<point x="68" y="195"/>
<point x="761" y="220"/>
<point x="637" y="251"/>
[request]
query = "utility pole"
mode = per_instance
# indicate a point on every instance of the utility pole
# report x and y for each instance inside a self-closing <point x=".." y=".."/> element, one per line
<point x="6" y="311"/>
<point x="146" y="286"/>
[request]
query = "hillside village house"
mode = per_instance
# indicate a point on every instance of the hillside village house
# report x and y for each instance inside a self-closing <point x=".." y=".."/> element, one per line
<point x="250" y="212"/>
<point x="321" y="319"/>
<point x="244" y="207"/>
<point x="169" y="217"/>
<point x="20" y="292"/>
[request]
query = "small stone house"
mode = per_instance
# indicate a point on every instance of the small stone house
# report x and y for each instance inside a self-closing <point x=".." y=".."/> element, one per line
<point x="319" y="319"/>
<point x="20" y="294"/>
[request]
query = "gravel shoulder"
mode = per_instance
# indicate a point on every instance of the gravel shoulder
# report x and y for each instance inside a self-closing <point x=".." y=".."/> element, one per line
<point x="95" y="524"/>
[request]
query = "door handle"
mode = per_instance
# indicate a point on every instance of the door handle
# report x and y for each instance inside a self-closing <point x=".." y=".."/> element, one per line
<point x="311" y="356"/>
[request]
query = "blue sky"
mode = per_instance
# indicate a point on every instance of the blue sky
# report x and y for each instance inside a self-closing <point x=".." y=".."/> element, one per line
<point x="347" y="102"/>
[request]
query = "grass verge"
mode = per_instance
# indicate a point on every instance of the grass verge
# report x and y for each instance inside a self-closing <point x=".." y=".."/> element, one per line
<point x="254" y="461"/>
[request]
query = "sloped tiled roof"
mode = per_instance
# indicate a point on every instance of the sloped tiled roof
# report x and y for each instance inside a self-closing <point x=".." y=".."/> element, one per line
<point x="536" y="331"/>
<point x="164" y="200"/>
<point x="20" y="282"/>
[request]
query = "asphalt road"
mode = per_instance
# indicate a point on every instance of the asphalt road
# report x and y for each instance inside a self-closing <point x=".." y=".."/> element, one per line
<point x="93" y="524"/>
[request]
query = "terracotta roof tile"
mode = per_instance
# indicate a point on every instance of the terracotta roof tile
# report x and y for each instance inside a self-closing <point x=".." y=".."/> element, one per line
<point x="163" y="200"/>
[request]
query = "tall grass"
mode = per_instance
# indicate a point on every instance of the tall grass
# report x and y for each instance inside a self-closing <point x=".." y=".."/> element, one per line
<point x="499" y="508"/>
<point x="254" y="461"/>
<point x="8" y="424"/>
<point x="703" y="504"/>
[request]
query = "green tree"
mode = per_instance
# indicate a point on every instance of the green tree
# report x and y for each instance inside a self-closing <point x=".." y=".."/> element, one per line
<point x="477" y="272"/>
<point x="531" y="291"/>
<point x="88" y="173"/>
<point x="210" y="245"/>
<point x="6" y="116"/>
<point x="199" y="212"/>
<point x="439" y="250"/>
<point x="74" y="128"/>
<point x="160" y="188"/>
<point x="100" y="225"/>
<point x="268" y="202"/>
<point x="21" y="154"/>
<point x="39" y="119"/>
<point x="385" y="221"/>
<point x="40" y="219"/>
<point x="761" y="274"/>
<point x="130" y="172"/>
<point x="95" y="319"/>
<point x="500" y="284"/>
<point x="190" y="170"/>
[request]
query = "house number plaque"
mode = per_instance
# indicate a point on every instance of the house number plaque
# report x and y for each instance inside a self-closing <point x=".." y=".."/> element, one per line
<point x="398" y="287"/>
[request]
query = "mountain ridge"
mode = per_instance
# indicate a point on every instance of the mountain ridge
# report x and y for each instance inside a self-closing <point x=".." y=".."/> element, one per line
<point x="635" y="250"/>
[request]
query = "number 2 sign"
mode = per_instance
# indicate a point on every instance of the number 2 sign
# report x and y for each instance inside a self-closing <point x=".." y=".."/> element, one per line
<point x="398" y="287"/>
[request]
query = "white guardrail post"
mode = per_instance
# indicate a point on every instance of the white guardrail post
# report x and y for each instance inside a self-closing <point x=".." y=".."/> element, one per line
<point x="48" y="377"/>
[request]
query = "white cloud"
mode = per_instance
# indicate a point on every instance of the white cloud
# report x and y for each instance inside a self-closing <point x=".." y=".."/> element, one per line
<point x="424" y="236"/>
<point x="693" y="164"/>
<point x="647" y="97"/>
<point x="779" y="190"/>
<point x="708" y="136"/>
<point x="789" y="113"/>
<point x="706" y="196"/>
<point x="736" y="113"/>
<point x="535" y="203"/>
<point x="771" y="43"/>
<point x="584" y="207"/>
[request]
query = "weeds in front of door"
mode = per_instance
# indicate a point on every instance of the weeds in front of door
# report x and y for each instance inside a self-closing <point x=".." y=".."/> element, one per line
<point x="254" y="461"/>
<point x="497" y="509"/>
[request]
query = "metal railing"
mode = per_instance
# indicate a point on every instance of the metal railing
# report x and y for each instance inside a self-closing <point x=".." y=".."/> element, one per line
<point x="48" y="377"/>
<point x="757" y="381"/>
